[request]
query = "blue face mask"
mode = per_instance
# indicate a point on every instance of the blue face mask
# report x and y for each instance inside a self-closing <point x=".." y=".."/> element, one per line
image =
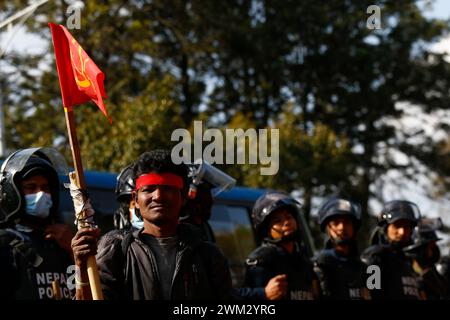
<point x="135" y="221"/>
<point x="38" y="204"/>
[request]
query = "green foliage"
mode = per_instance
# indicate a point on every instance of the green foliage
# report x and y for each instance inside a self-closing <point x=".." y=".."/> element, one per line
<point x="314" y="71"/>
<point x="143" y="123"/>
<point x="318" y="157"/>
<point x="33" y="111"/>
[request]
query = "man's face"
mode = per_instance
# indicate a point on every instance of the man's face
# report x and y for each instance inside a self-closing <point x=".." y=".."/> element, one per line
<point x="282" y="224"/>
<point x="159" y="204"/>
<point x="340" y="228"/>
<point x="35" y="184"/>
<point x="400" y="231"/>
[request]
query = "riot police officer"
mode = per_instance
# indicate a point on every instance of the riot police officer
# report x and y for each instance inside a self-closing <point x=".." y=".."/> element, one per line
<point x="35" y="250"/>
<point x="125" y="216"/>
<point x="279" y="268"/>
<point x="197" y="211"/>
<point x="341" y="273"/>
<point x="398" y="280"/>
<point x="425" y="254"/>
<point x="203" y="178"/>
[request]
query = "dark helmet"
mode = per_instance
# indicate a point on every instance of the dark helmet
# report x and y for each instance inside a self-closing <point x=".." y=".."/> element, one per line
<point x="339" y="207"/>
<point x="21" y="165"/>
<point x="124" y="187"/>
<point x="199" y="207"/>
<point x="269" y="203"/>
<point x="125" y="184"/>
<point x="425" y="232"/>
<point x="398" y="210"/>
<point x="205" y="183"/>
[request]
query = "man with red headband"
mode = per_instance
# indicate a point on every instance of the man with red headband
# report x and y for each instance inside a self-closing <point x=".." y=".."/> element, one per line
<point x="166" y="260"/>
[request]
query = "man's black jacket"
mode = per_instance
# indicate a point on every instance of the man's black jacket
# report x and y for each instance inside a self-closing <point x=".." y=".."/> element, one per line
<point x="128" y="269"/>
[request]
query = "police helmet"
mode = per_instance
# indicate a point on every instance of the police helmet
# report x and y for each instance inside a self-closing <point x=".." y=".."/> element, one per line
<point x="198" y="207"/>
<point x="268" y="203"/>
<point x="125" y="184"/>
<point x="339" y="207"/>
<point x="397" y="210"/>
<point x="425" y="232"/>
<point x="21" y="165"/>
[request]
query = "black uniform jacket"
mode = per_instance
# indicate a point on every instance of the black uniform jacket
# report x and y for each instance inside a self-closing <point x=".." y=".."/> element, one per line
<point x="270" y="260"/>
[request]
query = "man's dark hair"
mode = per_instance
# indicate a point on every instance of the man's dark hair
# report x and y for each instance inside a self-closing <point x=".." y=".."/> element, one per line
<point x="160" y="161"/>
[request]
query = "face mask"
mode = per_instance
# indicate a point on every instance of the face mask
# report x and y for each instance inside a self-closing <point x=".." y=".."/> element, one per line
<point x="135" y="221"/>
<point x="38" y="204"/>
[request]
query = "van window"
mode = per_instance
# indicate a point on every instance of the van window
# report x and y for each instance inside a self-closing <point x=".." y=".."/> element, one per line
<point x="234" y="235"/>
<point x="104" y="203"/>
<point x="102" y="200"/>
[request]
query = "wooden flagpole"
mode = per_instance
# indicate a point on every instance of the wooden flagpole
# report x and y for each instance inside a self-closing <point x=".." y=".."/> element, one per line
<point x="94" y="279"/>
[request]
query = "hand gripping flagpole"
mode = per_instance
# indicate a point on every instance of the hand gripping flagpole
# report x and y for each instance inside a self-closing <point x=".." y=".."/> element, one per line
<point x="77" y="178"/>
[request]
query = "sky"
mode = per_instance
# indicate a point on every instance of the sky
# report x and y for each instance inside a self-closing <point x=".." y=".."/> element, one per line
<point x="440" y="9"/>
<point x="17" y="39"/>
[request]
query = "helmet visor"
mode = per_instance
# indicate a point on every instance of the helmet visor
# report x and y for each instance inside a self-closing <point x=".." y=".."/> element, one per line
<point x="18" y="160"/>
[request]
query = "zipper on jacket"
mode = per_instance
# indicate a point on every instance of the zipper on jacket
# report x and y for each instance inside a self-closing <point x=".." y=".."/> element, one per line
<point x="194" y="269"/>
<point x="186" y="284"/>
<point x="178" y="260"/>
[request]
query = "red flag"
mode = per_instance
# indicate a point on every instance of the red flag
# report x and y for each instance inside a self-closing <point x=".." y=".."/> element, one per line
<point x="79" y="77"/>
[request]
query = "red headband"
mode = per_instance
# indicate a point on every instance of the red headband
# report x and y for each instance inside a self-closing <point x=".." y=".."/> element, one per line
<point x="161" y="179"/>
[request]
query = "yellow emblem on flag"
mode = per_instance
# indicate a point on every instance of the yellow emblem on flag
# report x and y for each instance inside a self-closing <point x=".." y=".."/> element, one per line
<point x="84" y="82"/>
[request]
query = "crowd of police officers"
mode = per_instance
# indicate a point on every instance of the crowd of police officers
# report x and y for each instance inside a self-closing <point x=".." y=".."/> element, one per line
<point x="402" y="262"/>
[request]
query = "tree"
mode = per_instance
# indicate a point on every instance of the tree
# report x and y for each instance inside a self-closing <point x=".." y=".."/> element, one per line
<point x="111" y="148"/>
<point x="241" y="63"/>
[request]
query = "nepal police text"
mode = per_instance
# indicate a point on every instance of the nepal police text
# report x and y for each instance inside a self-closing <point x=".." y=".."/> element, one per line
<point x="44" y="284"/>
<point x="410" y="286"/>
